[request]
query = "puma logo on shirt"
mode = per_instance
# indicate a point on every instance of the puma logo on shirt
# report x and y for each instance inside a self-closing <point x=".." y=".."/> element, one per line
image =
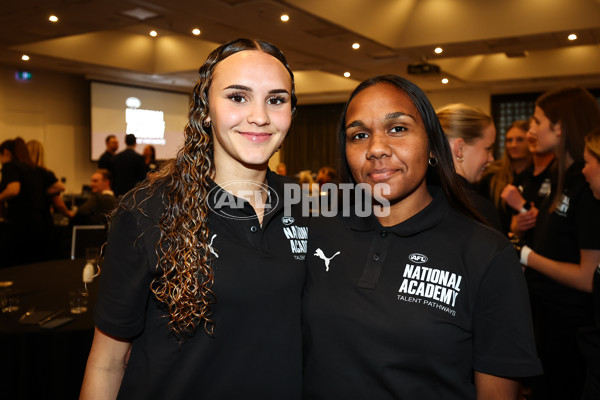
<point x="319" y="253"/>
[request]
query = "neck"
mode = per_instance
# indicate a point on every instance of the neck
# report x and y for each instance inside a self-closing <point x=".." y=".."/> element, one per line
<point x="541" y="162"/>
<point x="407" y="207"/>
<point x="520" y="165"/>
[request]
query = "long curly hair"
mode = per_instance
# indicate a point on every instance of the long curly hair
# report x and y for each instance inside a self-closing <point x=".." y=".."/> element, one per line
<point x="185" y="275"/>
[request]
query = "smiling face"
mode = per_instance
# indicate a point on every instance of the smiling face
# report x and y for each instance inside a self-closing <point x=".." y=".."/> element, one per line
<point x="386" y="142"/>
<point x="250" y="109"/>
<point x="591" y="170"/>
<point x="477" y="155"/>
<point x="517" y="146"/>
<point x="544" y="133"/>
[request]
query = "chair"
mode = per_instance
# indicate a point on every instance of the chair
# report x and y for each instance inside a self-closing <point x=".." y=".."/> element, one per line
<point x="86" y="237"/>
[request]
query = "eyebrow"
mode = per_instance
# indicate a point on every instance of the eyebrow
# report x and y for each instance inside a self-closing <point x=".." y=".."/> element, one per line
<point x="394" y="115"/>
<point x="249" y="89"/>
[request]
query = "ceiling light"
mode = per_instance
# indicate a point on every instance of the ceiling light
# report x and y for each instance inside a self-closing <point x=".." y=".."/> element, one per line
<point x="347" y="74"/>
<point x="196" y="31"/>
<point x="25" y="57"/>
<point x="445" y="80"/>
<point x="572" y="36"/>
<point x="53" y="18"/>
<point x="285" y="17"/>
<point x="356" y="46"/>
<point x="153" y="33"/>
<point x="438" y="50"/>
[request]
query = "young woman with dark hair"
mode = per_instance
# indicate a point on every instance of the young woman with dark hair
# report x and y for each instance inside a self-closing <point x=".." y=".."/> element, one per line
<point x="420" y="300"/>
<point x="566" y="241"/>
<point x="200" y="291"/>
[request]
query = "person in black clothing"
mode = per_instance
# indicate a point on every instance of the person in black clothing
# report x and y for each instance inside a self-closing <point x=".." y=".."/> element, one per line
<point x="566" y="245"/>
<point x="105" y="160"/>
<point x="419" y="301"/>
<point x="471" y="134"/>
<point x="129" y="167"/>
<point x="22" y="198"/>
<point x="200" y="292"/>
<point x="99" y="204"/>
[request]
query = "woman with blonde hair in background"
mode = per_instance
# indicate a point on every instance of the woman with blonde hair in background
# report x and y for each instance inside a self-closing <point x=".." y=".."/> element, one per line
<point x="471" y="134"/>
<point x="502" y="172"/>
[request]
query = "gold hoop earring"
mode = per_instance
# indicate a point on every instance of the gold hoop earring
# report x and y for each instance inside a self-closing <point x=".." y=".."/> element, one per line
<point x="433" y="161"/>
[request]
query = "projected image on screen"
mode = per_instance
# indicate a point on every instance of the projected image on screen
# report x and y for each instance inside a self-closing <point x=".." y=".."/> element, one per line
<point x="155" y="117"/>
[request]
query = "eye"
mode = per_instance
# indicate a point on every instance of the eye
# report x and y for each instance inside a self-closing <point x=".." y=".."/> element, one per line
<point x="398" y="129"/>
<point x="358" y="136"/>
<point x="276" y="100"/>
<point x="237" y="98"/>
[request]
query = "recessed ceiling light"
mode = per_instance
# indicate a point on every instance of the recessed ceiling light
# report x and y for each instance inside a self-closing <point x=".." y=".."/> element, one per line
<point x="53" y="18"/>
<point x="347" y="74"/>
<point x="356" y="46"/>
<point x="25" y="57"/>
<point x="153" y="33"/>
<point x="438" y="50"/>
<point x="445" y="80"/>
<point x="285" y="17"/>
<point x="196" y="31"/>
<point x="572" y="36"/>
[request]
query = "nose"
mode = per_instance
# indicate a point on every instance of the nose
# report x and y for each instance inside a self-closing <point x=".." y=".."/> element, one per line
<point x="258" y="114"/>
<point x="378" y="146"/>
<point x="490" y="157"/>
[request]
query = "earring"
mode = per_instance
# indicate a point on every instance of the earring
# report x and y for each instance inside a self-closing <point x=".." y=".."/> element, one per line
<point x="206" y="124"/>
<point x="460" y="159"/>
<point x="433" y="161"/>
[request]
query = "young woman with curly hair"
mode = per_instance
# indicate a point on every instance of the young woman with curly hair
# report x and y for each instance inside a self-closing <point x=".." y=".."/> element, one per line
<point x="202" y="278"/>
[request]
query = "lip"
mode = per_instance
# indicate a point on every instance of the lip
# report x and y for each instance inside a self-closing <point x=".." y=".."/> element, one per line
<point x="381" y="175"/>
<point x="256" y="137"/>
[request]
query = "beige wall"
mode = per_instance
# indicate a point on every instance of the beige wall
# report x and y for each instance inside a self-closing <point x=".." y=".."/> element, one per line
<point x="54" y="109"/>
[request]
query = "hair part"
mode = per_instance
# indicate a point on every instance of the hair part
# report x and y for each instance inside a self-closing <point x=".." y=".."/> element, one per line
<point x="443" y="173"/>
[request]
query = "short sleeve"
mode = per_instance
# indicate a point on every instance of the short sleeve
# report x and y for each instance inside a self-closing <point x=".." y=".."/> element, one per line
<point x="502" y="328"/>
<point x="588" y="220"/>
<point x="125" y="277"/>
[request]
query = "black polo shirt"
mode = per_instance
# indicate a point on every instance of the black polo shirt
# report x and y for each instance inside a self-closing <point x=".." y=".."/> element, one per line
<point x="560" y="235"/>
<point x="409" y="311"/>
<point x="255" y="352"/>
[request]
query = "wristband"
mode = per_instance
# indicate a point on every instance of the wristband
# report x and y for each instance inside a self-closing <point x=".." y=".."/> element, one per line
<point x="525" y="251"/>
<point x="526" y="207"/>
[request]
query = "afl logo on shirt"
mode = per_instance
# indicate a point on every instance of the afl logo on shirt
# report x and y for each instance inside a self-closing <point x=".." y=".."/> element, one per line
<point x="418" y="258"/>
<point x="287" y="221"/>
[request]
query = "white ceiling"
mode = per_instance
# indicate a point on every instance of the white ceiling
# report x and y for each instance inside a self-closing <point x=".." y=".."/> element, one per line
<point x="501" y="45"/>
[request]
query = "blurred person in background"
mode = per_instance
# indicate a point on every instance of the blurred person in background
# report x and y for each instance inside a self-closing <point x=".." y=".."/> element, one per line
<point x="112" y="145"/>
<point x="149" y="154"/>
<point x="99" y="204"/>
<point x="23" y="200"/>
<point x="516" y="159"/>
<point x="129" y="167"/>
<point x="561" y="260"/>
<point x="471" y="134"/>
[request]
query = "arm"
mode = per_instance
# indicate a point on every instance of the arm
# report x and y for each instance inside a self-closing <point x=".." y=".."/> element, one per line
<point x="490" y="387"/>
<point x="105" y="367"/>
<point x="61" y="207"/>
<point x="524" y="221"/>
<point x="511" y="195"/>
<point x="578" y="276"/>
<point x="12" y="190"/>
<point x="56" y="188"/>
